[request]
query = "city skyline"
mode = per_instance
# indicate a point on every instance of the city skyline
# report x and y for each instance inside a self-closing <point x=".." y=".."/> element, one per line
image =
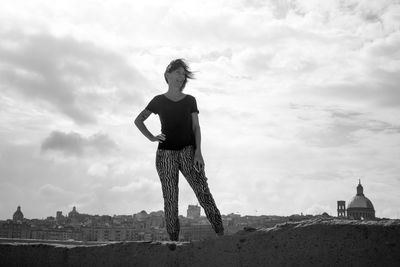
<point x="128" y="214"/>
<point x="140" y="226"/>
<point x="195" y="211"/>
<point x="298" y="100"/>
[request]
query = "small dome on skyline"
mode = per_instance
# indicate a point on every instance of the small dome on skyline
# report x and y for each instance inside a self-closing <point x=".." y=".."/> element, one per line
<point x="73" y="213"/>
<point x="18" y="215"/>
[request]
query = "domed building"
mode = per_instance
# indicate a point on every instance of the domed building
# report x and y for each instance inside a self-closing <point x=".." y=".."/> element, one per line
<point x="141" y="216"/>
<point x="73" y="217"/>
<point x="360" y="207"/>
<point x="73" y="213"/>
<point x="18" y="215"/>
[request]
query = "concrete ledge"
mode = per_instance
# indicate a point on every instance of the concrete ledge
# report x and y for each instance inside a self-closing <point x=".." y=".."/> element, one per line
<point x="318" y="242"/>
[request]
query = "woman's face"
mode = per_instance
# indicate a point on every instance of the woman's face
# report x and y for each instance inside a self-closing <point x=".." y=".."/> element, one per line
<point x="176" y="77"/>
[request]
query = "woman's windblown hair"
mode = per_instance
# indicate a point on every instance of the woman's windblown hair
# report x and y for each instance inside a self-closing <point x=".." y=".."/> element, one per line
<point x="175" y="64"/>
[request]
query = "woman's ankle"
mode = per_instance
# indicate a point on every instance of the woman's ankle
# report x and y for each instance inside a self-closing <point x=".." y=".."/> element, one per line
<point x="174" y="237"/>
<point x="220" y="233"/>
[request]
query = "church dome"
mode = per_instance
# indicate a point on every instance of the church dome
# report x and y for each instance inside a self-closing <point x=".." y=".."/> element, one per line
<point x="73" y="213"/>
<point x="360" y="202"/>
<point x="360" y="207"/>
<point x="18" y="215"/>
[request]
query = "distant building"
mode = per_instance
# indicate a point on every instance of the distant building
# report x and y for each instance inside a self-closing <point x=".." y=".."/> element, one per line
<point x="359" y="208"/>
<point x="141" y="216"/>
<point x="59" y="217"/>
<point x="18" y="215"/>
<point x="196" y="232"/>
<point x="74" y="217"/>
<point x="156" y="219"/>
<point x="73" y="213"/>
<point x="67" y="233"/>
<point x="193" y="212"/>
<point x="341" y="208"/>
<point x="11" y="229"/>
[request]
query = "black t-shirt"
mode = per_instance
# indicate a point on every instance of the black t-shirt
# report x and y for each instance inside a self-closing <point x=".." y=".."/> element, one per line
<point x="176" y="120"/>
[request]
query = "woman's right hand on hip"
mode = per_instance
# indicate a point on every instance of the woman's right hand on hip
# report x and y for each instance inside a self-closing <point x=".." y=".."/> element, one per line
<point x="159" y="138"/>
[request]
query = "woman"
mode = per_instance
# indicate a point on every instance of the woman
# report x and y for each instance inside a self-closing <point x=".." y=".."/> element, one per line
<point x="179" y="147"/>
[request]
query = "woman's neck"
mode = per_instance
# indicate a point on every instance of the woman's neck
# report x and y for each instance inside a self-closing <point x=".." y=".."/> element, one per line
<point x="174" y="91"/>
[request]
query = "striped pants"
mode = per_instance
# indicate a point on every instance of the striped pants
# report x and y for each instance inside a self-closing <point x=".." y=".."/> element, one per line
<point x="168" y="164"/>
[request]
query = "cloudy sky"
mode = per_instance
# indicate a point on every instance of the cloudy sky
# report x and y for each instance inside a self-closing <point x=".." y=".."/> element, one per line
<point x="298" y="100"/>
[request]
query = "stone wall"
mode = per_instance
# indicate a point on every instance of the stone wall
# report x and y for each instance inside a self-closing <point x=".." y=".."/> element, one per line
<point x="318" y="242"/>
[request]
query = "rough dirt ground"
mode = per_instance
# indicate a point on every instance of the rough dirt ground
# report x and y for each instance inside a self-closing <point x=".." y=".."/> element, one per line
<point x="318" y="242"/>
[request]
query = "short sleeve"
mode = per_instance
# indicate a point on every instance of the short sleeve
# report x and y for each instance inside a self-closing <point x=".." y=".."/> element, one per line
<point x="153" y="106"/>
<point x="193" y="107"/>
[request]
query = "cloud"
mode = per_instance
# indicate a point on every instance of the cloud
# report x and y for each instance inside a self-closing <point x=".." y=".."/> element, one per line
<point x="141" y="186"/>
<point x="98" y="169"/>
<point x="75" y="78"/>
<point x="73" y="144"/>
<point x="33" y="176"/>
<point x="54" y="193"/>
<point x="336" y="127"/>
<point x="66" y="68"/>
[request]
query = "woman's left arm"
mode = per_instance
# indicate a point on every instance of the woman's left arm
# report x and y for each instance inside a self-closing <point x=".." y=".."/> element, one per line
<point x="198" y="157"/>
